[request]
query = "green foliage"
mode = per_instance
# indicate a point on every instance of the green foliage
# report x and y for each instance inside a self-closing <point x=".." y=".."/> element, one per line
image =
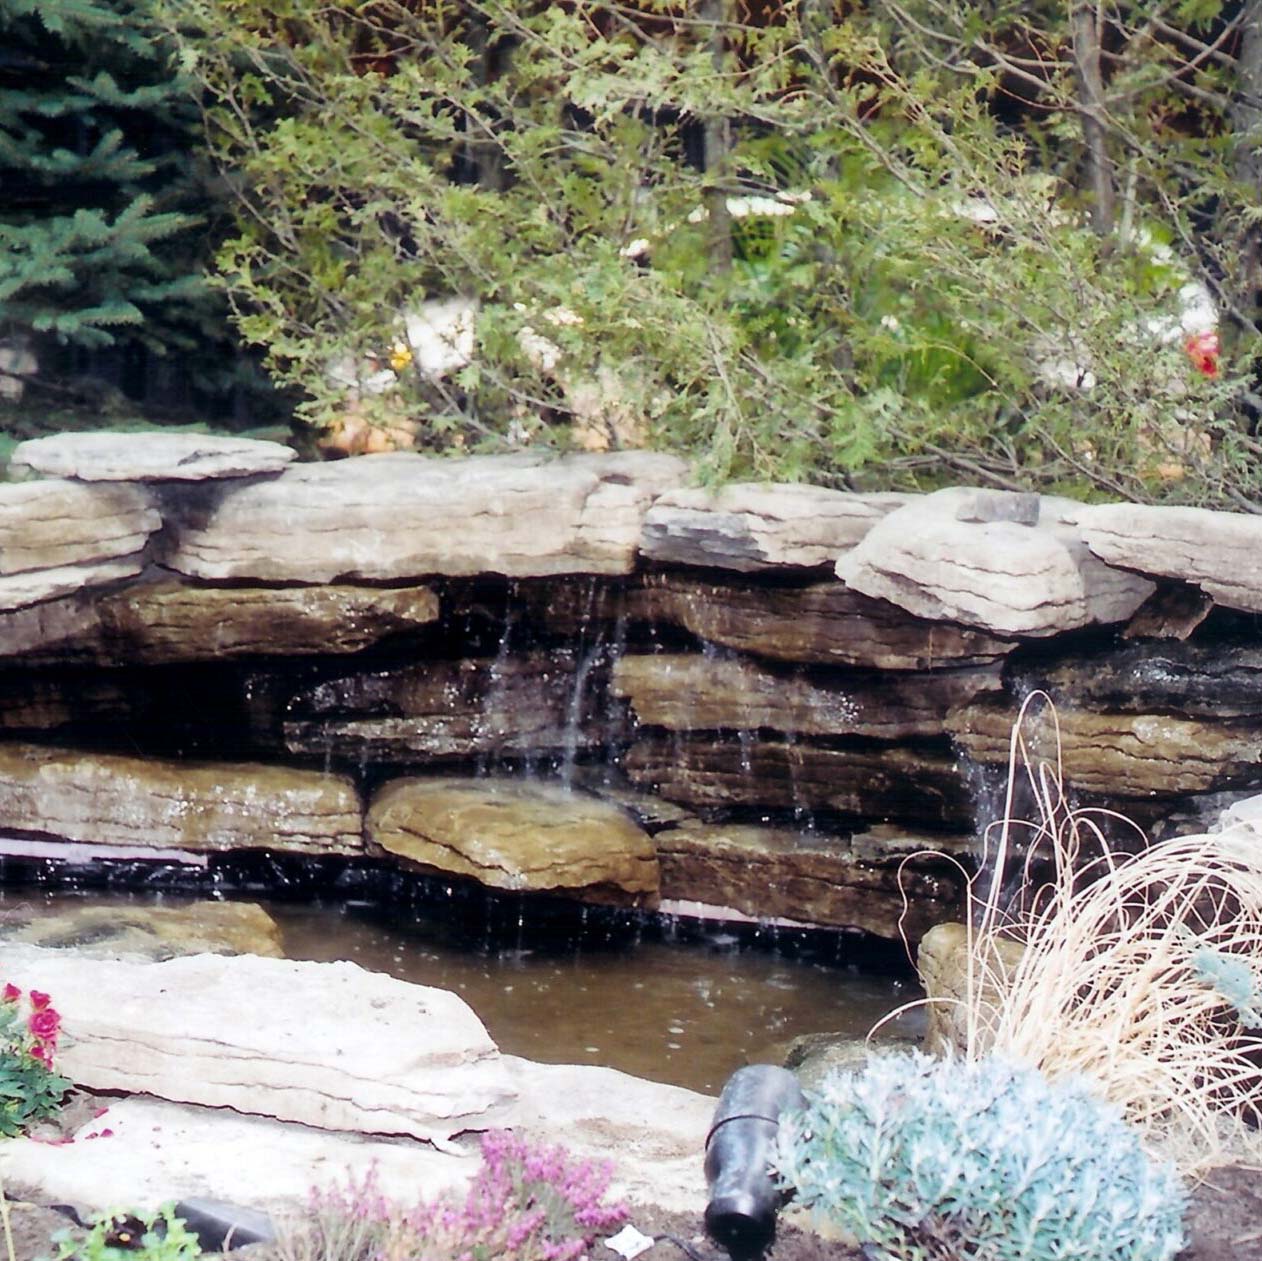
<point x="95" y="132"/>
<point x="118" y="1235"/>
<point x="30" y="1090"/>
<point x="931" y="252"/>
<point x="985" y="1160"/>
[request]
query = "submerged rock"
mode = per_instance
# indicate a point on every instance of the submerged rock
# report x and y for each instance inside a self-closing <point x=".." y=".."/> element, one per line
<point x="150" y="932"/>
<point x="512" y="834"/>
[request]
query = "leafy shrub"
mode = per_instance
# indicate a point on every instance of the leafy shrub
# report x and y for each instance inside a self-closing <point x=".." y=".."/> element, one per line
<point x="524" y="1204"/>
<point x="984" y="1160"/>
<point x="29" y="1088"/>
<point x="121" y="1236"/>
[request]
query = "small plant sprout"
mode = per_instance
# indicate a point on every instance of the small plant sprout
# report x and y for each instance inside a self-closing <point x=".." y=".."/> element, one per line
<point x="118" y="1235"/>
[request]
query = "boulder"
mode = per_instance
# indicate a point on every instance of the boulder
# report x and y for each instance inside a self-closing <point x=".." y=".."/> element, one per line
<point x="62" y="524"/>
<point x="325" y="1044"/>
<point x="1220" y="552"/>
<point x="1117" y="755"/>
<point x="17" y="591"/>
<point x="149" y="932"/>
<point x="1002" y="576"/>
<point x="770" y="873"/>
<point x="942" y="962"/>
<point x="155" y="622"/>
<point x="695" y="691"/>
<point x="815" y="1057"/>
<point x="150" y="803"/>
<point x="527" y="704"/>
<point x="872" y="782"/>
<point x="824" y="623"/>
<point x="519" y="835"/>
<point x="401" y="516"/>
<point x="749" y="527"/>
<point x="148" y="457"/>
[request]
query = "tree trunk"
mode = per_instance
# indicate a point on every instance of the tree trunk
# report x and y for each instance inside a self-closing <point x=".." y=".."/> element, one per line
<point x="718" y="144"/>
<point x="1086" y="31"/>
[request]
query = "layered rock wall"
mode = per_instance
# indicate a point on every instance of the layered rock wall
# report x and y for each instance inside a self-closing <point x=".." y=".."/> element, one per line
<point x="583" y="677"/>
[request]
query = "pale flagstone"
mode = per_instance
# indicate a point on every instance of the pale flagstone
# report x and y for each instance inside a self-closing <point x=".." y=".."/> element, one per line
<point x="325" y="1044"/>
<point x="404" y="515"/>
<point x="149" y="457"/>
<point x="1220" y="552"/>
<point x="748" y="527"/>
<point x="62" y="524"/>
<point x="158" y="1152"/>
<point x="19" y="591"/>
<point x="1003" y="576"/>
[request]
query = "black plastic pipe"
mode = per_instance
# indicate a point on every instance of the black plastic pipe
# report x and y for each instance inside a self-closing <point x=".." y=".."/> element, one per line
<point x="740" y="1215"/>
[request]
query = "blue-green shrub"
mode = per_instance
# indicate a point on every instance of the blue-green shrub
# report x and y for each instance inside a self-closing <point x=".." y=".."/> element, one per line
<point x="928" y="1159"/>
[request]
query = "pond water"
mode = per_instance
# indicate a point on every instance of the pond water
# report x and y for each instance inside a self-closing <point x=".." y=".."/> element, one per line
<point x="670" y="1000"/>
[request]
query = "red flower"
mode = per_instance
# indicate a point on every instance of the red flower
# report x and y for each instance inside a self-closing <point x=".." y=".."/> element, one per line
<point x="11" y="993"/>
<point x="1203" y="349"/>
<point x="44" y="1023"/>
<point x="39" y="1001"/>
<point x="43" y="1052"/>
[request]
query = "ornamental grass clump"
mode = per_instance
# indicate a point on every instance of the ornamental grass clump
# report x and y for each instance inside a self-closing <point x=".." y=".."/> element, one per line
<point x="1141" y="972"/>
<point x="30" y="1089"/>
<point x="526" y="1203"/>
<point x="924" y="1159"/>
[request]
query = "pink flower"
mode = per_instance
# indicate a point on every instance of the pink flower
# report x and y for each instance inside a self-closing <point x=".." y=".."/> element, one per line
<point x="11" y="993"/>
<point x="1203" y="349"/>
<point x="39" y="1001"/>
<point x="42" y="1052"/>
<point x="44" y="1023"/>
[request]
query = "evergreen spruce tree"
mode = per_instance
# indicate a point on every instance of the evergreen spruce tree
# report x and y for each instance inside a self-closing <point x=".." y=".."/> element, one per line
<point x="97" y="242"/>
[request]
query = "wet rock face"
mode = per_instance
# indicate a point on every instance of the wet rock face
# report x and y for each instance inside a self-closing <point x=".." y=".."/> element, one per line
<point x="864" y="781"/>
<point x="535" y="704"/>
<point x="158" y="622"/>
<point x="689" y="692"/>
<point x="517" y="835"/>
<point x="1123" y="755"/>
<point x="824" y="623"/>
<point x="108" y="799"/>
<point x="775" y="872"/>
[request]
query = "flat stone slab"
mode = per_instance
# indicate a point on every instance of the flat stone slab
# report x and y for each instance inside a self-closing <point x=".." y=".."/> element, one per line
<point x="824" y="623"/>
<point x="1220" y="552"/>
<point x="1127" y="755"/>
<point x="1002" y="576"/>
<point x="511" y="834"/>
<point x="60" y="524"/>
<point x="404" y="515"/>
<point x="157" y="1152"/>
<point x="325" y="1044"/>
<point x="749" y="527"/>
<point x="779" y="873"/>
<point x="112" y="799"/>
<point x="19" y="591"/>
<point x="148" y="457"/>
<point x="155" y="622"/>
<point x="698" y="691"/>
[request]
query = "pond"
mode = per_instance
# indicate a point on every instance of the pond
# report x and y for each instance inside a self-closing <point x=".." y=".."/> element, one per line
<point x="672" y="1000"/>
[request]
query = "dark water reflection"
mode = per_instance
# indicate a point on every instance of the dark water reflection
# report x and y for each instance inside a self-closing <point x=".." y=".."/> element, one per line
<point x="672" y="1001"/>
